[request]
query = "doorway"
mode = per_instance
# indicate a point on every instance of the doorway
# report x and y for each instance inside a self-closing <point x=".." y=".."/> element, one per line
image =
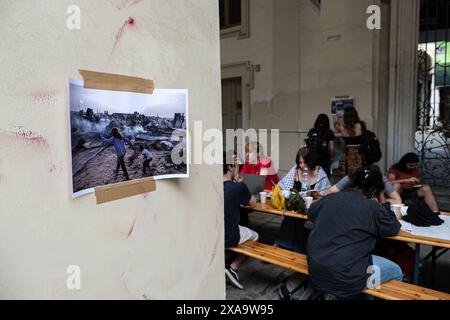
<point x="232" y="104"/>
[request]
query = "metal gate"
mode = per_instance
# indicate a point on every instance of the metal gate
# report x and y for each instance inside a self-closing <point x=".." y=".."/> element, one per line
<point x="433" y="112"/>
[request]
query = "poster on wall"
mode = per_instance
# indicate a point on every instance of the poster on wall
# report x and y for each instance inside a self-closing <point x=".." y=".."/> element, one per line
<point x="339" y="104"/>
<point x="121" y="136"/>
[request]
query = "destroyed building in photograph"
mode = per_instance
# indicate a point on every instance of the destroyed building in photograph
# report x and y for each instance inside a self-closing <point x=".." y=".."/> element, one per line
<point x="94" y="162"/>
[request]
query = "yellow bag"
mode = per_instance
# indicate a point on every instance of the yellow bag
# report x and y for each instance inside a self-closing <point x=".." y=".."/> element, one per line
<point x="277" y="198"/>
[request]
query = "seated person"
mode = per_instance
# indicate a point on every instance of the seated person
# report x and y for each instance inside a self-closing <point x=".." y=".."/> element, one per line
<point x="235" y="195"/>
<point x="405" y="177"/>
<point x="346" y="226"/>
<point x="293" y="235"/>
<point x="390" y="195"/>
<point x="318" y="179"/>
<point x="254" y="164"/>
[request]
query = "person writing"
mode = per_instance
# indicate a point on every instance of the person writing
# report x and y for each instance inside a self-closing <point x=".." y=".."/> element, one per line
<point x="389" y="195"/>
<point x="235" y="195"/>
<point x="306" y="166"/>
<point x="345" y="229"/>
<point x="405" y="176"/>
<point x="305" y="175"/>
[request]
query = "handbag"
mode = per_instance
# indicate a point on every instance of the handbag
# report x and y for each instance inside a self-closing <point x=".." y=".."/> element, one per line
<point x="295" y="202"/>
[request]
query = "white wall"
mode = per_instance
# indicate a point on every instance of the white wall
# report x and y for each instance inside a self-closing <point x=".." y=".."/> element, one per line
<point x="257" y="48"/>
<point x="342" y="67"/>
<point x="301" y="70"/>
<point x="176" y="247"/>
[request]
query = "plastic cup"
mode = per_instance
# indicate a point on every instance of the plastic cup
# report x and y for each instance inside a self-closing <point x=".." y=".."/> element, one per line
<point x="263" y="196"/>
<point x="397" y="209"/>
<point x="404" y="210"/>
<point x="308" y="202"/>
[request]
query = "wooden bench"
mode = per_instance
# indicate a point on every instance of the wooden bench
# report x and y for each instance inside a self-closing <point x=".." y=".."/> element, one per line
<point x="392" y="290"/>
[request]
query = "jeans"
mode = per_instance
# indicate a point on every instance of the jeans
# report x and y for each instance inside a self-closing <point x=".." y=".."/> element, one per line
<point x="389" y="270"/>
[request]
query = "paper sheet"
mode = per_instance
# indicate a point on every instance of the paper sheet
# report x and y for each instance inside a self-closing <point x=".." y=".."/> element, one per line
<point x="438" y="232"/>
<point x="406" y="226"/>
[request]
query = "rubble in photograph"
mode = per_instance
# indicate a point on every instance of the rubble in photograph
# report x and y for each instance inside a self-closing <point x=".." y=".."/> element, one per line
<point x="94" y="161"/>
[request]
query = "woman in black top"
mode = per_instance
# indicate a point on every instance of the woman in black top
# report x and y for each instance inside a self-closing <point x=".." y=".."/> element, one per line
<point x="321" y="140"/>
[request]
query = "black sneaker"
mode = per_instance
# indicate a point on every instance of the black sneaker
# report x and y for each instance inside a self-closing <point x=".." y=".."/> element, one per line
<point x="233" y="276"/>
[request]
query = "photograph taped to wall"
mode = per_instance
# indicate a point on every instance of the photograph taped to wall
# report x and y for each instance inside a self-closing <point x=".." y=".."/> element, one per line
<point x="120" y="136"/>
<point x="339" y="104"/>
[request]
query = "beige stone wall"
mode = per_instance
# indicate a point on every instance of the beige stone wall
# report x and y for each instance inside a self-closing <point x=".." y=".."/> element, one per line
<point x="164" y="245"/>
<point x="301" y="70"/>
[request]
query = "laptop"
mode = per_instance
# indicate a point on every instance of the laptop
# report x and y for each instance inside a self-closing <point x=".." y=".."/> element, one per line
<point x="255" y="183"/>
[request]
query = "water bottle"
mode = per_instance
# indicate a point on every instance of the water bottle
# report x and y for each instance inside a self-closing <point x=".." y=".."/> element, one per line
<point x="305" y="180"/>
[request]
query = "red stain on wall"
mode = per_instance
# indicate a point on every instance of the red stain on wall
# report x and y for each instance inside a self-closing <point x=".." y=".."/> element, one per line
<point x="28" y="137"/>
<point x="130" y="23"/>
<point x="131" y="229"/>
<point x="31" y="138"/>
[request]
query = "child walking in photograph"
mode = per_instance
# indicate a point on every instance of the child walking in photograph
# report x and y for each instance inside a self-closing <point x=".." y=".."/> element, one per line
<point x="118" y="140"/>
<point x="147" y="159"/>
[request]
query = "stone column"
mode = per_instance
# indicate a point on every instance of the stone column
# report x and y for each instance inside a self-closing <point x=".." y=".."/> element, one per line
<point x="403" y="78"/>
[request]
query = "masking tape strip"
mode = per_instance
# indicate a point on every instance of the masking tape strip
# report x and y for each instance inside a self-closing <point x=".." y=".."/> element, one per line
<point x="107" y="81"/>
<point x="123" y="190"/>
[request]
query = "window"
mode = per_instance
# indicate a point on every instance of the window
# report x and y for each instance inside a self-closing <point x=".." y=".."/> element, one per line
<point x="316" y="4"/>
<point x="434" y="15"/>
<point x="234" y="18"/>
<point x="230" y="13"/>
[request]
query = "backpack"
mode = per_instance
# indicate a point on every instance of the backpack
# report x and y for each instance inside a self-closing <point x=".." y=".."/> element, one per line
<point x="294" y="287"/>
<point x="371" y="148"/>
<point x="315" y="142"/>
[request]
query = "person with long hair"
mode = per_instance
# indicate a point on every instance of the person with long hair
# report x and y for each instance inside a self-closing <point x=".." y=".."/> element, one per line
<point x="255" y="164"/>
<point x="345" y="229"/>
<point x="405" y="176"/>
<point x="306" y="160"/>
<point x="321" y="140"/>
<point x="292" y="234"/>
<point x="352" y="130"/>
<point x="118" y="141"/>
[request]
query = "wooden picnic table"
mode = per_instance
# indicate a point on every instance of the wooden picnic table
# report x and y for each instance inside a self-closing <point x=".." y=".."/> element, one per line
<point x="436" y="244"/>
<point x="402" y="236"/>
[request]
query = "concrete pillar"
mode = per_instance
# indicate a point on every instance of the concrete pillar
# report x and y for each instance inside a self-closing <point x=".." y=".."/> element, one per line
<point x="403" y="78"/>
